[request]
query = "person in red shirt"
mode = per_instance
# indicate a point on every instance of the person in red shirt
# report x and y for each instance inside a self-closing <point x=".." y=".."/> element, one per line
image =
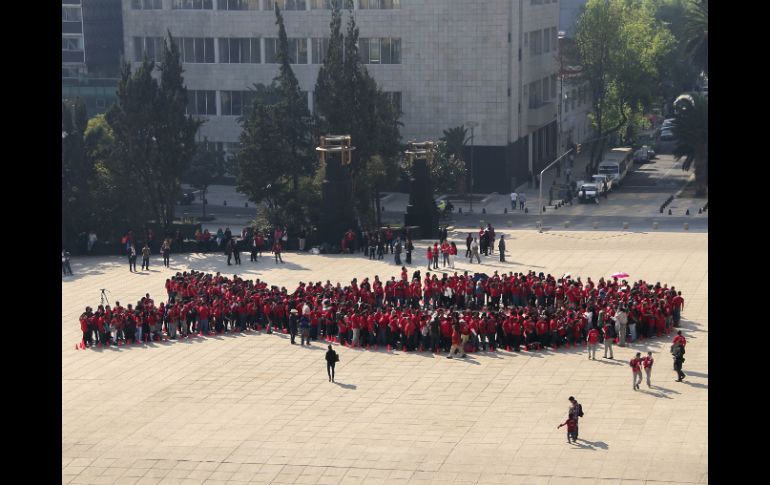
<point x="571" y="424"/>
<point x="84" y="327"/>
<point x="636" y="369"/>
<point x="679" y="339"/>
<point x="678" y="305"/>
<point x="455" y="348"/>
<point x="592" y="339"/>
<point x="647" y="364"/>
<point x="203" y="319"/>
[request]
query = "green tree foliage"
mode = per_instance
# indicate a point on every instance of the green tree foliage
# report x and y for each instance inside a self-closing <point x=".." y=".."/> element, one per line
<point x="350" y="102"/>
<point x="697" y="34"/>
<point x="446" y="170"/>
<point x="676" y="76"/>
<point x="455" y="141"/>
<point x="207" y="165"/>
<point x="691" y="129"/>
<point x="277" y="144"/>
<point x="620" y="44"/>
<point x="77" y="172"/>
<point x="154" y="138"/>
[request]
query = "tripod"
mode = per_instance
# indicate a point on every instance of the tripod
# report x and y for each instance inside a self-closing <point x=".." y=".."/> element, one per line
<point x="104" y="297"/>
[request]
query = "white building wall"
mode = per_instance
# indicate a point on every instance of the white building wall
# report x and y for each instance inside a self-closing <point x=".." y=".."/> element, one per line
<point x="456" y="65"/>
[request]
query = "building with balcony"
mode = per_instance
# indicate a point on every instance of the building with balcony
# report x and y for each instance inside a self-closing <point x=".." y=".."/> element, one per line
<point x="445" y="62"/>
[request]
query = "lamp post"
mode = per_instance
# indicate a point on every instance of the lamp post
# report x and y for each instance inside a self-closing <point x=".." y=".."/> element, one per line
<point x="471" y="125"/>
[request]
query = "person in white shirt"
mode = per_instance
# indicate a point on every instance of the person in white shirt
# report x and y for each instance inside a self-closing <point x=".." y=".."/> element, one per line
<point x="514" y="196"/>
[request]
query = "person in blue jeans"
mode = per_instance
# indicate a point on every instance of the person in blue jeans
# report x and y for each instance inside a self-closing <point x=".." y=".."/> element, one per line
<point x="304" y="328"/>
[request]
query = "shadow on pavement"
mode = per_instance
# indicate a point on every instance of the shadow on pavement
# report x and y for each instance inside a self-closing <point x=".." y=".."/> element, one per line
<point x="346" y="386"/>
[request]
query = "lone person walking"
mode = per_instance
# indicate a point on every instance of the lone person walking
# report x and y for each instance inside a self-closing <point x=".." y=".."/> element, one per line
<point x="146" y="257"/>
<point x="678" y="361"/>
<point x="636" y="370"/>
<point x="331" y="359"/>
<point x="501" y="248"/>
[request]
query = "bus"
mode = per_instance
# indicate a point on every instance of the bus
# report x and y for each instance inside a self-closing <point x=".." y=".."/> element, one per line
<point x="616" y="164"/>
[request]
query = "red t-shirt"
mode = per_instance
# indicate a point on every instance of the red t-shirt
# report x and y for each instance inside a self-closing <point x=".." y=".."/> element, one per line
<point x="635" y="364"/>
<point x="593" y="336"/>
<point x="203" y="312"/>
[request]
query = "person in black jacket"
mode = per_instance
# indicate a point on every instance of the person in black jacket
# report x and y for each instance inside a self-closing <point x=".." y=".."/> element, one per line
<point x="331" y="359"/>
<point x="678" y="353"/>
<point x="293" y="324"/>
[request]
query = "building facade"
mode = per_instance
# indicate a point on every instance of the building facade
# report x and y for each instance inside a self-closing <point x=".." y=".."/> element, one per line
<point x="92" y="47"/>
<point x="445" y="62"/>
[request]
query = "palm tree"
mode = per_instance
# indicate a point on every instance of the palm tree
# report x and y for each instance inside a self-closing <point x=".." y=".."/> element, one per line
<point x="691" y="129"/>
<point x="696" y="32"/>
<point x="455" y="139"/>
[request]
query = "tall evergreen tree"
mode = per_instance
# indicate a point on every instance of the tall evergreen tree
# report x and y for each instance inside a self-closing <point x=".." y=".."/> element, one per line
<point x="330" y="96"/>
<point x="294" y="114"/>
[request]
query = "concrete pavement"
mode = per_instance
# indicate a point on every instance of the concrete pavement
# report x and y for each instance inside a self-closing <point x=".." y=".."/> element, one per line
<point x="253" y="409"/>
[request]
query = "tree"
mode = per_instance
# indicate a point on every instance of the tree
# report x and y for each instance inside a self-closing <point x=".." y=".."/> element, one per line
<point x="330" y="97"/>
<point x="676" y="77"/>
<point x="276" y="142"/>
<point x="295" y="117"/>
<point x="620" y="44"/>
<point x="455" y="139"/>
<point x="206" y="166"/>
<point x="697" y="34"/>
<point x="446" y="169"/>
<point x="154" y="137"/>
<point x="691" y="129"/>
<point x="76" y="173"/>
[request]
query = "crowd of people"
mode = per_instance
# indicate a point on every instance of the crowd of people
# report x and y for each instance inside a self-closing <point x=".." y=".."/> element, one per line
<point x="452" y="313"/>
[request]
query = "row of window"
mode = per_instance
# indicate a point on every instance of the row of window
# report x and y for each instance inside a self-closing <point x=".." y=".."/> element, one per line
<point x="235" y="103"/>
<point x="541" y="2"/>
<point x="200" y="50"/>
<point x="541" y="91"/>
<point x="72" y="43"/>
<point x="268" y="5"/>
<point x="71" y="14"/>
<point x="542" y="41"/>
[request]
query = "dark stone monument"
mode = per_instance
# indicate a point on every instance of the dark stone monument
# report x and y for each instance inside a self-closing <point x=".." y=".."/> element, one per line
<point x="422" y="210"/>
<point x="336" y="189"/>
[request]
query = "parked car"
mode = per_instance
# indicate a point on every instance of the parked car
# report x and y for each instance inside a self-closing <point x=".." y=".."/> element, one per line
<point x="642" y="155"/>
<point x="587" y="191"/>
<point x="600" y="180"/>
<point x="186" y="198"/>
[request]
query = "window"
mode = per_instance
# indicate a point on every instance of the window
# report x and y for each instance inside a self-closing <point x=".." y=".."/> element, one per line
<point x="235" y="103"/>
<point x="285" y="4"/>
<point x="192" y="4"/>
<point x="72" y="43"/>
<point x="319" y="46"/>
<point x="146" y="4"/>
<point x="152" y="46"/>
<point x="380" y="51"/>
<point x="546" y="88"/>
<point x="197" y="50"/>
<point x="379" y="4"/>
<point x="536" y="43"/>
<point x="239" y="51"/>
<point x="535" y="99"/>
<point x="201" y="102"/>
<point x="535" y="2"/>
<point x="546" y="40"/>
<point x="321" y="4"/>
<point x="554" y="38"/>
<point x="237" y="4"/>
<point x="71" y="14"/>
<point x="297" y="51"/>
<point x="553" y="86"/>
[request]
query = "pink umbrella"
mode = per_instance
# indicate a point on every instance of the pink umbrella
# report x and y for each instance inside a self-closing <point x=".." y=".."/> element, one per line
<point x="620" y="275"/>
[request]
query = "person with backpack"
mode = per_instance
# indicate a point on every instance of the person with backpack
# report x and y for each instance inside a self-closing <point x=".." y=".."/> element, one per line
<point x="678" y="353"/>
<point x="331" y="359"/>
<point x="636" y="369"/>
<point x="575" y="412"/>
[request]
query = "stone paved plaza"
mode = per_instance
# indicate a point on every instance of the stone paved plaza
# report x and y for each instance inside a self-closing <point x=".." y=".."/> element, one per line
<point x="254" y="409"/>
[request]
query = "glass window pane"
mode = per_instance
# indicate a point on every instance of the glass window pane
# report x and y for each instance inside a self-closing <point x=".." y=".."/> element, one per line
<point x="211" y="102"/>
<point x="396" y="50"/>
<point x="225" y="99"/>
<point x="190" y="102"/>
<point x="209" y="52"/>
<point x="235" y="51"/>
<point x="189" y="49"/>
<point x="301" y="51"/>
<point x="255" y="55"/>
<point x="270" y="57"/>
<point x="224" y="50"/>
<point x="236" y="100"/>
<point x="246" y="50"/>
<point x="386" y="51"/>
<point x="363" y="50"/>
<point x="199" y="48"/>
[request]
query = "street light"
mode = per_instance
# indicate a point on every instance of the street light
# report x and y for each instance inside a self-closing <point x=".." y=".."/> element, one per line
<point x="471" y="125"/>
